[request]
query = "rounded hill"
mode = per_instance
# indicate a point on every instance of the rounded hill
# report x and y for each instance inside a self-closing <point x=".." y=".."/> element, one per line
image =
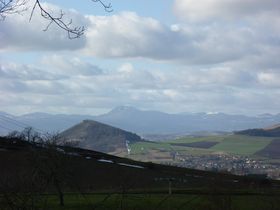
<point x="97" y="136"/>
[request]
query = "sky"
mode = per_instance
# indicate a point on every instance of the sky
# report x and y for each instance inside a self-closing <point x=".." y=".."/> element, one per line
<point x="172" y="56"/>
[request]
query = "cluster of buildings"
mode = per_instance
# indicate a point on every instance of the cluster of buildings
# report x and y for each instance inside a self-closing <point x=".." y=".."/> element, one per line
<point x="235" y="164"/>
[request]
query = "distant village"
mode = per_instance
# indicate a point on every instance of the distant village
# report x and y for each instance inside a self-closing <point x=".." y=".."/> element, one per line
<point x="235" y="164"/>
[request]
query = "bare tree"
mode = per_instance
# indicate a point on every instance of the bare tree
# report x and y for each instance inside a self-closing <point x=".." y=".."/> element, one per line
<point x="50" y="164"/>
<point x="8" y="7"/>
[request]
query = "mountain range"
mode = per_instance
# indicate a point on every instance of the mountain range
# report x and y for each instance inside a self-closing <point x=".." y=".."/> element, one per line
<point x="141" y="122"/>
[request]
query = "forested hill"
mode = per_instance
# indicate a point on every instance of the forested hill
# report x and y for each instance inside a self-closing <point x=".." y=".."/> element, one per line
<point x="97" y="136"/>
<point x="273" y="131"/>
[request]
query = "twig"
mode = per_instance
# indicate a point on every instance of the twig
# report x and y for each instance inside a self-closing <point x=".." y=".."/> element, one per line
<point x="73" y="32"/>
<point x="107" y="7"/>
<point x="18" y="6"/>
<point x="8" y="7"/>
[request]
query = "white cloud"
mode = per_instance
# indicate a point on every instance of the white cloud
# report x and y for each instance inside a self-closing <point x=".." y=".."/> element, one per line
<point x="26" y="72"/>
<point x="214" y="89"/>
<point x="217" y="59"/>
<point x="128" y="35"/>
<point x="71" y="65"/>
<point x="126" y="68"/>
<point x="18" y="34"/>
<point x="269" y="79"/>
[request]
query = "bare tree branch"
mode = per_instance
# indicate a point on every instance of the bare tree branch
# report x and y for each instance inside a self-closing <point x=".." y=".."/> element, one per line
<point x="8" y="7"/>
<point x="73" y="32"/>
<point x="107" y="7"/>
<point x="17" y="6"/>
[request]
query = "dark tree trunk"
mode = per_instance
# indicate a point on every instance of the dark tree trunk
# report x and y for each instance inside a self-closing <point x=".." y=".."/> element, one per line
<point x="60" y="193"/>
<point x="61" y="199"/>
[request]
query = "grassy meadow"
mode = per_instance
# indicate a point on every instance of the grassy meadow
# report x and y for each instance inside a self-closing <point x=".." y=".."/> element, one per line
<point x="242" y="145"/>
<point x="226" y="144"/>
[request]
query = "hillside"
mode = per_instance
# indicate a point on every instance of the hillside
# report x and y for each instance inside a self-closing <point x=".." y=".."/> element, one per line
<point x="273" y="131"/>
<point x="97" y="136"/>
<point x="70" y="176"/>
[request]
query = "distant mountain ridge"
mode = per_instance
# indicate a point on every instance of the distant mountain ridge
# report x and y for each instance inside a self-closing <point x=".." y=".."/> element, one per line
<point x="100" y="137"/>
<point x="155" y="122"/>
<point x="142" y="122"/>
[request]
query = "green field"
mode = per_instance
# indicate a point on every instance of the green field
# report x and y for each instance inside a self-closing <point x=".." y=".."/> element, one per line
<point x="242" y="145"/>
<point x="231" y="144"/>
<point x="143" y="147"/>
<point x="192" y="139"/>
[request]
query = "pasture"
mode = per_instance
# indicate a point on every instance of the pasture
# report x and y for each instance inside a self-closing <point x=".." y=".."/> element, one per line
<point x="227" y="144"/>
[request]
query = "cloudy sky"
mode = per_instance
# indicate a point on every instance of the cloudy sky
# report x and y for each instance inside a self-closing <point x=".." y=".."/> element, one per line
<point x="171" y="55"/>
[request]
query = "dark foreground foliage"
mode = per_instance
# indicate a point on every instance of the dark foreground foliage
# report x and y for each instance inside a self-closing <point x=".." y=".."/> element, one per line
<point x="38" y="173"/>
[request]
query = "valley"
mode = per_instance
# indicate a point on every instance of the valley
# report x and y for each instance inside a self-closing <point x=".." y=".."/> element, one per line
<point x="239" y="154"/>
<point x="139" y="105"/>
<point x="93" y="165"/>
